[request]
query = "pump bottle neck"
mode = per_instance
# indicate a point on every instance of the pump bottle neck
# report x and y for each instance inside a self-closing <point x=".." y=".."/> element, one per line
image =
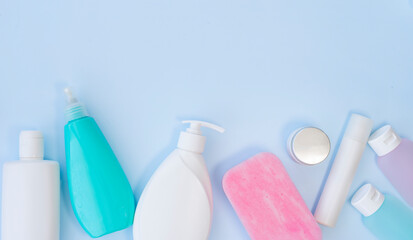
<point x="191" y="142"/>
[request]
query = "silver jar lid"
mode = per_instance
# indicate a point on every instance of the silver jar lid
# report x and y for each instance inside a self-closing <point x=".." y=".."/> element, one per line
<point x="309" y="146"/>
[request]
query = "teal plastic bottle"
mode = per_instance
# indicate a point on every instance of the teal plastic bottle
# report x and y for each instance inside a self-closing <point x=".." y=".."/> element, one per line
<point x="384" y="215"/>
<point x="101" y="196"/>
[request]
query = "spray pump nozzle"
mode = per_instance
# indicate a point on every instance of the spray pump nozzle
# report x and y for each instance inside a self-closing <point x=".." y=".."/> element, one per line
<point x="195" y="126"/>
<point x="74" y="108"/>
<point x="192" y="140"/>
<point x="69" y="96"/>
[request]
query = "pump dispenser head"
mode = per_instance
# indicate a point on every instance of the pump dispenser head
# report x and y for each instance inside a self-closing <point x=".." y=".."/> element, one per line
<point x="192" y="140"/>
<point x="74" y="108"/>
<point x="31" y="146"/>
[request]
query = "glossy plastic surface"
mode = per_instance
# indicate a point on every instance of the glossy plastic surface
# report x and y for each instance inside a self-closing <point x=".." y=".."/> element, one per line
<point x="31" y="200"/>
<point x="398" y="168"/>
<point x="101" y="196"/>
<point x="393" y="220"/>
<point x="177" y="202"/>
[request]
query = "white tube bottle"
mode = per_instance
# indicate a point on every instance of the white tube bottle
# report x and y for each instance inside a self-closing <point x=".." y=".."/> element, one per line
<point x="176" y="204"/>
<point x="343" y="170"/>
<point x="30" y="193"/>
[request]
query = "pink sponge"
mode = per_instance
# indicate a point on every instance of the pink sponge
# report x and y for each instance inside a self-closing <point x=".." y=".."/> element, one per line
<point x="267" y="202"/>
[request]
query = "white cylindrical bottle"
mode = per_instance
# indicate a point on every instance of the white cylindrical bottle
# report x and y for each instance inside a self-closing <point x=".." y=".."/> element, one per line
<point x="30" y="193"/>
<point x="343" y="170"/>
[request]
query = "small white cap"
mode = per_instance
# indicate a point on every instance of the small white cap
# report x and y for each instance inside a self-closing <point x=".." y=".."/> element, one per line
<point x="384" y="140"/>
<point x="367" y="200"/>
<point x="31" y="145"/>
<point x="359" y="128"/>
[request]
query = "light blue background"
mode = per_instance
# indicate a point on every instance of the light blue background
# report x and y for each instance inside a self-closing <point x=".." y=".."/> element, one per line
<point x="260" y="69"/>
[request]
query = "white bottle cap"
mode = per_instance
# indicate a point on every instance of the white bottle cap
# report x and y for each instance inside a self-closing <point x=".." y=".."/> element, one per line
<point x="192" y="140"/>
<point x="384" y="140"/>
<point x="31" y="145"/>
<point x="359" y="128"/>
<point x="367" y="200"/>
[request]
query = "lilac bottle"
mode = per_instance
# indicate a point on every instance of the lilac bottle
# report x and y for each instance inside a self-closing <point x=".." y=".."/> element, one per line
<point x="395" y="160"/>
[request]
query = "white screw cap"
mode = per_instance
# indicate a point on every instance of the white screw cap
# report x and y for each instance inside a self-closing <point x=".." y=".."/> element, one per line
<point x="31" y="146"/>
<point x="309" y="146"/>
<point x="384" y="140"/>
<point x="367" y="200"/>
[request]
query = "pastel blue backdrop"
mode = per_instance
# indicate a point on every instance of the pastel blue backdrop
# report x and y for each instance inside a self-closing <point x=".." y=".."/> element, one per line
<point x="260" y="69"/>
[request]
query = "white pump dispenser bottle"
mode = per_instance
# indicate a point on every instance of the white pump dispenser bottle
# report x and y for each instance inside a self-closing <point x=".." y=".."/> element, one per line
<point x="176" y="204"/>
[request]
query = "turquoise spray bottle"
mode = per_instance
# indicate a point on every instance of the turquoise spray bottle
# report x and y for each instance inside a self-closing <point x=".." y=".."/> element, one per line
<point x="101" y="196"/>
